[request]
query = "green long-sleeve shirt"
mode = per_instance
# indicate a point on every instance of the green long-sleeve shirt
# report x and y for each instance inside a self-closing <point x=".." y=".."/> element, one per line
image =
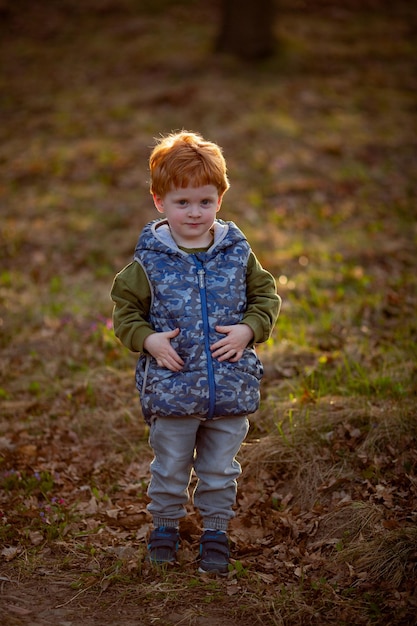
<point x="131" y="294"/>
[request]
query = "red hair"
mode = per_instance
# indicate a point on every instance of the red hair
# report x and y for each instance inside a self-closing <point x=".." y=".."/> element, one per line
<point x="185" y="159"/>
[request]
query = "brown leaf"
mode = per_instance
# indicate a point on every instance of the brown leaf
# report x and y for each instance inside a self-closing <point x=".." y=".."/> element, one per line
<point x="10" y="553"/>
<point x="18" y="610"/>
<point x="36" y="537"/>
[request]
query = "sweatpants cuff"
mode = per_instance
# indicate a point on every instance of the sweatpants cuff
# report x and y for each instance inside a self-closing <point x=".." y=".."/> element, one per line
<point x="216" y="523"/>
<point x="168" y="523"/>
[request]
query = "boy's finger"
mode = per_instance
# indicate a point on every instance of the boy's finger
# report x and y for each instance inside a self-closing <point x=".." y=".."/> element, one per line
<point x="223" y="329"/>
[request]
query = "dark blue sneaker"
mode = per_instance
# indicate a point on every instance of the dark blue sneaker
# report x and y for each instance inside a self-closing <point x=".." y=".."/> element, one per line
<point x="214" y="553"/>
<point x="163" y="545"/>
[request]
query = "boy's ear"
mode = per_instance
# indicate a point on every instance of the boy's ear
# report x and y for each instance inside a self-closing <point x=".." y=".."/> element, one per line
<point x="158" y="202"/>
<point x="219" y="202"/>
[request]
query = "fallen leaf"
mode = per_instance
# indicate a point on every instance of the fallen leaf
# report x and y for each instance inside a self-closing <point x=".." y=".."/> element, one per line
<point x="10" y="553"/>
<point x="36" y="537"/>
<point x="18" y="610"/>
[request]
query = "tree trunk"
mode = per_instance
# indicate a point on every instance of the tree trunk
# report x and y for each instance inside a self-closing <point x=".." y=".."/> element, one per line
<point x="246" y="29"/>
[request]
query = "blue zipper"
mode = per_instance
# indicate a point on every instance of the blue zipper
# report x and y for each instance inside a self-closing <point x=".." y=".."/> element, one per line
<point x="210" y="371"/>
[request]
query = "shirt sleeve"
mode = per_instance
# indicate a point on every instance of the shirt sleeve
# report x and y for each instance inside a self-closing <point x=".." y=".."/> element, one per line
<point x="263" y="301"/>
<point x="131" y="294"/>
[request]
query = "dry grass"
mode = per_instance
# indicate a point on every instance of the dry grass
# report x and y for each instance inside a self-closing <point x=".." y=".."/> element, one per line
<point x="389" y="556"/>
<point x="391" y="424"/>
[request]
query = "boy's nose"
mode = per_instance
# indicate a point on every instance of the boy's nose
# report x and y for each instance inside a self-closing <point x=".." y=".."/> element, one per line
<point x="194" y="209"/>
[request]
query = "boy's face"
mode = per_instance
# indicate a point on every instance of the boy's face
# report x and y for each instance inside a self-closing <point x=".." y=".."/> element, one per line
<point x="190" y="212"/>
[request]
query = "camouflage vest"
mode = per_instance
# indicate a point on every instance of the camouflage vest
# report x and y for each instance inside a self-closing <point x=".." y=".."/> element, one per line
<point x="196" y="292"/>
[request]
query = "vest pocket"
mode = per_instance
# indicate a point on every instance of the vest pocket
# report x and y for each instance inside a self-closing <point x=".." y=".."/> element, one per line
<point x="142" y="370"/>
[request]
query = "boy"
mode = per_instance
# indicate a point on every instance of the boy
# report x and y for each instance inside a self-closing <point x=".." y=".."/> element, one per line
<point x="193" y="302"/>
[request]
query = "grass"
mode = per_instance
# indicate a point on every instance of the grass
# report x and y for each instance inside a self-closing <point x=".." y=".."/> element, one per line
<point x="321" y="160"/>
<point x="387" y="556"/>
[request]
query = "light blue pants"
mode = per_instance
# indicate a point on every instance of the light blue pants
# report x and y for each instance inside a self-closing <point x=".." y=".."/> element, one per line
<point x="181" y="445"/>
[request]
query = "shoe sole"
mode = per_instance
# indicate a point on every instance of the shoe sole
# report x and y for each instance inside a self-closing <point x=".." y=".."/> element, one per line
<point x="212" y="571"/>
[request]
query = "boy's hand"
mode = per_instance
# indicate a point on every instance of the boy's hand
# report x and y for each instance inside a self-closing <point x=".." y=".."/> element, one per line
<point x="231" y="347"/>
<point x="159" y="346"/>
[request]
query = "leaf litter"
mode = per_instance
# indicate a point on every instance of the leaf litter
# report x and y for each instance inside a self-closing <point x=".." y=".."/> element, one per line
<point x="326" y="510"/>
